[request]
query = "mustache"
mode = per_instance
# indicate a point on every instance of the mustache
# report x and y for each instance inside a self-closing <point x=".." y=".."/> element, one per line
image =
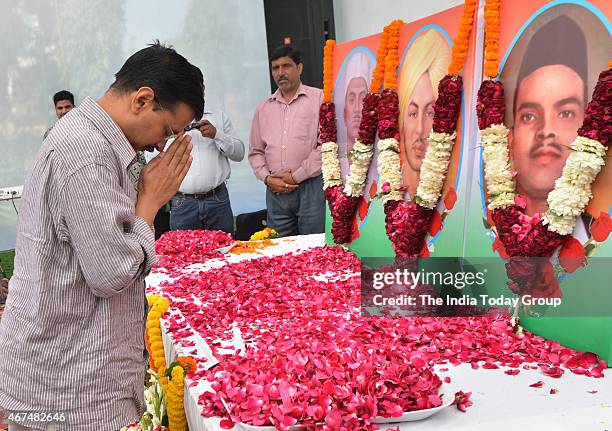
<point x="556" y="147"/>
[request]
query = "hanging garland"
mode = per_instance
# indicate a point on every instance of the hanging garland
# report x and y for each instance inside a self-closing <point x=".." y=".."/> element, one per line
<point x="407" y="223"/>
<point x="172" y="377"/>
<point x="525" y="238"/>
<point x="343" y="199"/>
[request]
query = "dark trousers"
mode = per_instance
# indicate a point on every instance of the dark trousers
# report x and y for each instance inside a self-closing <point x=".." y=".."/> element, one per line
<point x="212" y="213"/>
<point x="299" y="212"/>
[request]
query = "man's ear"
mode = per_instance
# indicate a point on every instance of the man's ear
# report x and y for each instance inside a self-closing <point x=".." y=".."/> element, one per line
<point x="300" y="68"/>
<point x="142" y="100"/>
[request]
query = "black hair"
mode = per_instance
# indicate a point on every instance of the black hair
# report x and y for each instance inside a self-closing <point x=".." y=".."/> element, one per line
<point x="561" y="41"/>
<point x="287" y="51"/>
<point x="63" y="95"/>
<point x="169" y="74"/>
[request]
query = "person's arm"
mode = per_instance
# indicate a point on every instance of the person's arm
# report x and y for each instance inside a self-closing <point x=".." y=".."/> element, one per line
<point x="113" y="245"/>
<point x="257" y="153"/>
<point x="113" y="239"/>
<point x="310" y="167"/>
<point x="227" y="142"/>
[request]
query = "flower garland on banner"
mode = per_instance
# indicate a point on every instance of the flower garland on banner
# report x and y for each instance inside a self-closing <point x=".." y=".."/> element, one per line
<point x="343" y="199"/>
<point x="407" y="223"/>
<point x="530" y="241"/>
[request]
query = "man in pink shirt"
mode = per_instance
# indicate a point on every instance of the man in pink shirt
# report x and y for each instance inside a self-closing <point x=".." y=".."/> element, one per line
<point x="283" y="149"/>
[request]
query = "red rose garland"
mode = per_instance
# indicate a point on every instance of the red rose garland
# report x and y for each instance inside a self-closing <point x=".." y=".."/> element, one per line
<point x="343" y="199"/>
<point x="342" y="206"/>
<point x="448" y="105"/>
<point x="407" y="223"/>
<point x="597" y="123"/>
<point x="526" y="239"/>
<point x="327" y="121"/>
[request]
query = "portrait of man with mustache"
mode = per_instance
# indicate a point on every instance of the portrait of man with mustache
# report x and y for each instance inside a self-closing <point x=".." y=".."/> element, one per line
<point x="425" y="64"/>
<point x="351" y="88"/>
<point x="548" y="108"/>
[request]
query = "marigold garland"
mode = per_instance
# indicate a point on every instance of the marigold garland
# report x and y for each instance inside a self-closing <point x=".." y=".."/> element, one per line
<point x="460" y="47"/>
<point x="491" y="13"/>
<point x="530" y="241"/>
<point x="388" y="124"/>
<point x="158" y="307"/>
<point x="172" y="378"/>
<point x="175" y="394"/>
<point x="176" y="391"/>
<point x="328" y="84"/>
<point x="407" y="223"/>
<point x="343" y="199"/>
<point x="392" y="58"/>
<point x="379" y="69"/>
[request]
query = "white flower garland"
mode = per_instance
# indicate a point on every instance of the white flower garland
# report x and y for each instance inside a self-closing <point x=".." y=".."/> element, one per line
<point x="572" y="192"/>
<point x="361" y="157"/>
<point x="501" y="189"/>
<point x="389" y="168"/>
<point x="330" y="167"/>
<point x="434" y="168"/>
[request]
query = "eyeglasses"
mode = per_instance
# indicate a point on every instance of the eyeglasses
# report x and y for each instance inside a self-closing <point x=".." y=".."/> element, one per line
<point x="174" y="135"/>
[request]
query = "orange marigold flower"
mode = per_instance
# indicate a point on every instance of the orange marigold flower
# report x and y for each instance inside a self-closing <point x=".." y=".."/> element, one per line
<point x="492" y="21"/>
<point x="461" y="41"/>
<point x="328" y="84"/>
<point x="392" y="59"/>
<point x="381" y="54"/>
<point x="188" y="363"/>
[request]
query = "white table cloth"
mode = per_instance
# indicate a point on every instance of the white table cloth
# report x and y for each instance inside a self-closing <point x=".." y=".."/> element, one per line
<point x="501" y="402"/>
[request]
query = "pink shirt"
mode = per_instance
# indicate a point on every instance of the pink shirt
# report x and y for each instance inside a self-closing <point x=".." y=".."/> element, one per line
<point x="284" y="135"/>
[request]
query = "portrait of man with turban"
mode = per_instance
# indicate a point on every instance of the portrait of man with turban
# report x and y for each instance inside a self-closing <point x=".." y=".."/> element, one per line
<point x="425" y="64"/>
<point x="351" y="88"/>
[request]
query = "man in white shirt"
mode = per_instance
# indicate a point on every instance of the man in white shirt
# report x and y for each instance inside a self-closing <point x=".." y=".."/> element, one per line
<point x="203" y="200"/>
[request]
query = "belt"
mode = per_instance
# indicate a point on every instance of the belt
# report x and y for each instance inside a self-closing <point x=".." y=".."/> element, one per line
<point x="202" y="196"/>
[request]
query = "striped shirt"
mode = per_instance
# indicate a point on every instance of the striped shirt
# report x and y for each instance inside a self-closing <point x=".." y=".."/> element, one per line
<point x="72" y="330"/>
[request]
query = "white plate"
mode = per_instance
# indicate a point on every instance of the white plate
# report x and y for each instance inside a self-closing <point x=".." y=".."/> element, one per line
<point x="270" y="427"/>
<point x="418" y="415"/>
<point x="226" y="249"/>
<point x="256" y="428"/>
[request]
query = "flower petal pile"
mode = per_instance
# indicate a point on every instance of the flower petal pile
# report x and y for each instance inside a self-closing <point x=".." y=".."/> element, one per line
<point x="179" y="248"/>
<point x="307" y="355"/>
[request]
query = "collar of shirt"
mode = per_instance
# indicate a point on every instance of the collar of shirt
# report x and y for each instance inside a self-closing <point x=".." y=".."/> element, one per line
<point x="277" y="96"/>
<point x="111" y="131"/>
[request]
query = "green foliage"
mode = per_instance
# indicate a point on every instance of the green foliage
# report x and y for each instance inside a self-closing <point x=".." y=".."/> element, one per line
<point x="6" y="263"/>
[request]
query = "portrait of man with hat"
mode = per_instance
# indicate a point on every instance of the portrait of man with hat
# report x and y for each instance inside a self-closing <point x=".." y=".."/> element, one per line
<point x="548" y="108"/>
